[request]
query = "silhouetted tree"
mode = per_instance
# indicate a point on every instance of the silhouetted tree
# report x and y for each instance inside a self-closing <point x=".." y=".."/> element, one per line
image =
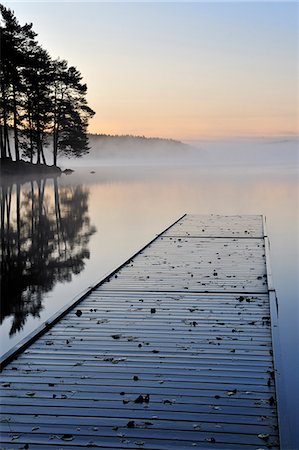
<point x="39" y="96"/>
<point x="16" y="44"/>
<point x="70" y="112"/>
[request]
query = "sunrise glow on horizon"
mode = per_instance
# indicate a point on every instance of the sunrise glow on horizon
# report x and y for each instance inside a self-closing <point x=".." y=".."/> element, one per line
<point x="178" y="70"/>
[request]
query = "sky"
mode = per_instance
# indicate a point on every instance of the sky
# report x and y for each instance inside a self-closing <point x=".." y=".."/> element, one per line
<point x="178" y="70"/>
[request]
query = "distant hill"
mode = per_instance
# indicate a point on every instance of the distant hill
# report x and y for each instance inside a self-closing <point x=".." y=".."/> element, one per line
<point x="105" y="146"/>
<point x="129" y="138"/>
<point x="132" y="150"/>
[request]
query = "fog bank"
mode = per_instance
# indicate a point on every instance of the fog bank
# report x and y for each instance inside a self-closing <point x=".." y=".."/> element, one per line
<point x="226" y="153"/>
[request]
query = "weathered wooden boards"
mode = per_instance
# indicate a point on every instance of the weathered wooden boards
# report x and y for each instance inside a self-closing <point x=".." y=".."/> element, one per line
<point x="175" y="351"/>
<point x="218" y="226"/>
<point x="197" y="265"/>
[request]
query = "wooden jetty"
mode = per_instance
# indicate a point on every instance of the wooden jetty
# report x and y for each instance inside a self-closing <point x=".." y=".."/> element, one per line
<point x="173" y="350"/>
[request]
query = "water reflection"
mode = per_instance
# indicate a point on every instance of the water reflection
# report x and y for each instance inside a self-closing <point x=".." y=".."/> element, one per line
<point x="45" y="231"/>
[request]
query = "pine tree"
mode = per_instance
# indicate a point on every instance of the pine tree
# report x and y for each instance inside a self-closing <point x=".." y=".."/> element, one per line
<point x="16" y="42"/>
<point x="70" y="112"/>
<point x="39" y="97"/>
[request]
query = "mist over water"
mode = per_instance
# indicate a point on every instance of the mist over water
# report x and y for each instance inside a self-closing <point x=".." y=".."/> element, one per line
<point x="88" y="223"/>
<point x="237" y="152"/>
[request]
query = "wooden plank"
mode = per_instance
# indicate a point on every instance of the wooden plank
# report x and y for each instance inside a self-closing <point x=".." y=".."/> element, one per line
<point x="133" y="440"/>
<point x="85" y="424"/>
<point x="141" y="432"/>
<point x="208" y="390"/>
<point x="75" y="388"/>
<point x="174" y="350"/>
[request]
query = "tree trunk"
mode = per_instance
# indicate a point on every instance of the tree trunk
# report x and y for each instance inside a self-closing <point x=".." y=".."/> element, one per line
<point x="18" y="207"/>
<point x="6" y="137"/>
<point x="55" y="142"/>
<point x="55" y="151"/>
<point x="8" y="203"/>
<point x="31" y="147"/>
<point x="54" y="148"/>
<point x="2" y="143"/>
<point x="54" y="129"/>
<point x="30" y="135"/>
<point x="38" y="145"/>
<point x="2" y="201"/>
<point x="32" y="215"/>
<point x="15" y="125"/>
<point x="43" y="156"/>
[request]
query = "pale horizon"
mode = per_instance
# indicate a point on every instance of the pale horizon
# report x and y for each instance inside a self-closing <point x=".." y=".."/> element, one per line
<point x="185" y="71"/>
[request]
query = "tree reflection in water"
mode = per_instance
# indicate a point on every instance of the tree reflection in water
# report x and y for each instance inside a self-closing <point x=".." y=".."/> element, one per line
<point x="45" y="231"/>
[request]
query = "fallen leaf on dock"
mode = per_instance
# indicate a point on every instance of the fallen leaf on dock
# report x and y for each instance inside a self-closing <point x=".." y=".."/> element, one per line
<point x="232" y="392"/>
<point x="265" y="437"/>
<point x="142" y="398"/>
<point x="67" y="437"/>
<point x="116" y="336"/>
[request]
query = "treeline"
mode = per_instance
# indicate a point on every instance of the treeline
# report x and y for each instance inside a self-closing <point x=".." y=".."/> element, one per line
<point x="43" y="100"/>
<point x="136" y="137"/>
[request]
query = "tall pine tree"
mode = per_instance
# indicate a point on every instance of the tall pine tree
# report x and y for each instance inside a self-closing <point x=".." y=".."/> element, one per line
<point x="71" y="112"/>
<point x="16" y="42"/>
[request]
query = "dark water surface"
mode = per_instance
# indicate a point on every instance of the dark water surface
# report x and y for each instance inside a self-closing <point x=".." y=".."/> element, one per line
<point x="58" y="236"/>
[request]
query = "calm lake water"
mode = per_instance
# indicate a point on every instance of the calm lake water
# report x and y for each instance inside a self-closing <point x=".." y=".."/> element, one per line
<point x="60" y="236"/>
